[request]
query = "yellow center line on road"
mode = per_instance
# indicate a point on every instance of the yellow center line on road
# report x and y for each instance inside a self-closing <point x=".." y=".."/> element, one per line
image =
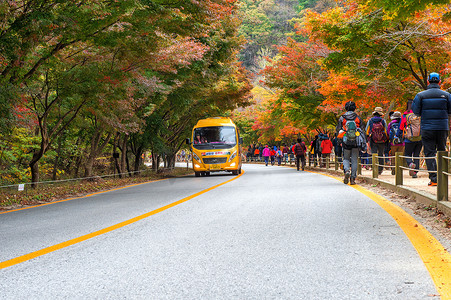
<point x="85" y="196"/>
<point x="435" y="257"/>
<point x="26" y="257"/>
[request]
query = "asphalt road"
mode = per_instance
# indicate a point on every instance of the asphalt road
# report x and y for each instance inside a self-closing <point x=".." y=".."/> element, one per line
<point x="272" y="233"/>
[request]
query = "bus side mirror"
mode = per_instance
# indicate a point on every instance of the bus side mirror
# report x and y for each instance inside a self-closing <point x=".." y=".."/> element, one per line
<point x="187" y="141"/>
<point x="240" y="140"/>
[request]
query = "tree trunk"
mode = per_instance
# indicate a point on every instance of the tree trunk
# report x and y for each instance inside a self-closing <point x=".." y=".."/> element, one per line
<point x="138" y="159"/>
<point x="170" y="160"/>
<point x="55" y="167"/>
<point x="78" y="161"/>
<point x="128" y="167"/>
<point x="155" y="162"/>
<point x="96" y="149"/>
<point x="37" y="155"/>
<point x="55" y="164"/>
<point x="124" y="154"/>
<point x="116" y="161"/>
<point x="34" y="167"/>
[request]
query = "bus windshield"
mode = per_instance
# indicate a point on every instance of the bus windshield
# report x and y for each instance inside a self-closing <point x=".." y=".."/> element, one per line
<point x="214" y="137"/>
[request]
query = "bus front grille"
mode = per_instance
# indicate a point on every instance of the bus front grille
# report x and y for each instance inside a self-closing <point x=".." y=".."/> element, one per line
<point x="215" y="160"/>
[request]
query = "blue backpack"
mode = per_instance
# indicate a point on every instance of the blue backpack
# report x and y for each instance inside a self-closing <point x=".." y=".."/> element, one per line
<point x="393" y="130"/>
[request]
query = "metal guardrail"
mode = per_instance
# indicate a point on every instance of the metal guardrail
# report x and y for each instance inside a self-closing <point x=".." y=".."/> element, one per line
<point x="23" y="186"/>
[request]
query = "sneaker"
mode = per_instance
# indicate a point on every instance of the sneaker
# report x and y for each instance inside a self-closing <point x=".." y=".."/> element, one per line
<point x="431" y="183"/>
<point x="352" y="181"/>
<point x="412" y="172"/>
<point x="347" y="175"/>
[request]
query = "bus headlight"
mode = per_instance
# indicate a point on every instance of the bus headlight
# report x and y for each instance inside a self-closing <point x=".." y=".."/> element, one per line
<point x="232" y="156"/>
<point x="196" y="157"/>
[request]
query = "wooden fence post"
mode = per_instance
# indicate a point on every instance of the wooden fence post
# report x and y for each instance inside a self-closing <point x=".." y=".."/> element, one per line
<point x="442" y="179"/>
<point x="374" y="166"/>
<point x="398" y="170"/>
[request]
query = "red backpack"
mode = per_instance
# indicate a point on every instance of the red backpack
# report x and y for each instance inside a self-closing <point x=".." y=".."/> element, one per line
<point x="378" y="134"/>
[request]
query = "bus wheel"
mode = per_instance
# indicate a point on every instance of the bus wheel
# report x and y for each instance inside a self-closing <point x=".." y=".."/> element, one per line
<point x="207" y="173"/>
<point x="203" y="174"/>
<point x="239" y="171"/>
<point x="235" y="172"/>
<point x="197" y="174"/>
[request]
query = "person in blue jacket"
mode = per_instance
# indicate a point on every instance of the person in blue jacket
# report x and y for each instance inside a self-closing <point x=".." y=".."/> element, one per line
<point x="434" y="106"/>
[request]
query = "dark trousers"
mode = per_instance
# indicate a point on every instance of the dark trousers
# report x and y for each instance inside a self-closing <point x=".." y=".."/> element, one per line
<point x="413" y="149"/>
<point x="339" y="153"/>
<point x="379" y="149"/>
<point x="316" y="158"/>
<point x="302" y="158"/>
<point x="433" y="141"/>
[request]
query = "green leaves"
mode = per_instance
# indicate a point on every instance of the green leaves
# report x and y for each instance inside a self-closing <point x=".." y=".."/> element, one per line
<point x="404" y="9"/>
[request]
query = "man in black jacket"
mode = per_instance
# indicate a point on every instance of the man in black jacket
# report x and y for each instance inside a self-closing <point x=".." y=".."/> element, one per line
<point x="434" y="106"/>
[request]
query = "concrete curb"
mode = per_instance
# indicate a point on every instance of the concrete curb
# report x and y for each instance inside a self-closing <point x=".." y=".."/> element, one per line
<point x="424" y="198"/>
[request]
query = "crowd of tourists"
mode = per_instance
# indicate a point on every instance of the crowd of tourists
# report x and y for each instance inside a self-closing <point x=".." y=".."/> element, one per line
<point x="424" y="125"/>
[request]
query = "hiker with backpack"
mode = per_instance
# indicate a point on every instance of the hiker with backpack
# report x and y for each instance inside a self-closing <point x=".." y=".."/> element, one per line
<point x="376" y="131"/>
<point x="410" y="129"/>
<point x="433" y="106"/>
<point x="279" y="156"/>
<point x="299" y="150"/>
<point x="349" y="131"/>
<point x="326" y="150"/>
<point x="395" y="137"/>
<point x="316" y="145"/>
<point x="285" y="151"/>
<point x="272" y="154"/>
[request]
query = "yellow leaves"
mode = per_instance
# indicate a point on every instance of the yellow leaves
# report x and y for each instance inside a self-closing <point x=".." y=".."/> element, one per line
<point x="262" y="95"/>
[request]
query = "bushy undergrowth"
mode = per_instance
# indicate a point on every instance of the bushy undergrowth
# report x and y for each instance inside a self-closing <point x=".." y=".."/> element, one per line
<point x="60" y="191"/>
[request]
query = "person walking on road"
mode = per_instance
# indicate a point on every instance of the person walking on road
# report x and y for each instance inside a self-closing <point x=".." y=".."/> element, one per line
<point x="285" y="151"/>
<point x="338" y="148"/>
<point x="396" y="141"/>
<point x="347" y="131"/>
<point x="376" y="131"/>
<point x="299" y="151"/>
<point x="256" y="154"/>
<point x="326" y="150"/>
<point x="266" y="154"/>
<point x="279" y="156"/>
<point x="433" y="106"/>
<point x="410" y="129"/>
<point x="272" y="154"/>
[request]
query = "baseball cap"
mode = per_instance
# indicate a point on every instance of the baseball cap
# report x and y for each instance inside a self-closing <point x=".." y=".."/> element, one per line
<point x="434" y="77"/>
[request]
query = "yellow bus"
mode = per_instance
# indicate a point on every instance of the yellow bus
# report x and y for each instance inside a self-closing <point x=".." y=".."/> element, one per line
<point x="215" y="146"/>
